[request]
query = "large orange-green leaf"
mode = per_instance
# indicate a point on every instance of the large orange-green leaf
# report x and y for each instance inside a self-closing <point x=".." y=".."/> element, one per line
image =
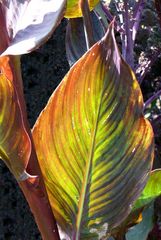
<point x="73" y="9"/>
<point x="15" y="146"/>
<point x="94" y="146"/>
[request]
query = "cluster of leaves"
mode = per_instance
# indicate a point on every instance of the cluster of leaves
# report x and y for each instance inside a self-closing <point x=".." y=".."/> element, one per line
<point x="93" y="161"/>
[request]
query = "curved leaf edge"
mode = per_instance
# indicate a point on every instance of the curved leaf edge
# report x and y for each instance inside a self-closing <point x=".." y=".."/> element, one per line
<point x="103" y="40"/>
<point x="7" y="74"/>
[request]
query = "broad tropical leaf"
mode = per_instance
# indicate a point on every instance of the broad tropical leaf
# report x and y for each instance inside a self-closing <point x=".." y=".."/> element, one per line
<point x="29" y="23"/>
<point x="93" y="144"/>
<point x="75" y="37"/>
<point x="15" y="146"/>
<point x="151" y="191"/>
<point x="73" y="9"/>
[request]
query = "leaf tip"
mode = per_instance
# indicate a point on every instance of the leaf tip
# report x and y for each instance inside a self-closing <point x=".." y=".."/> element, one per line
<point x="110" y="31"/>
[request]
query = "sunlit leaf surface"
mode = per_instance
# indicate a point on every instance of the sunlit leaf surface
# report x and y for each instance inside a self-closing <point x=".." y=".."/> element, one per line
<point x="94" y="146"/>
<point x="73" y="9"/>
<point x="151" y="191"/>
<point x="15" y="146"/>
<point x="29" y="23"/>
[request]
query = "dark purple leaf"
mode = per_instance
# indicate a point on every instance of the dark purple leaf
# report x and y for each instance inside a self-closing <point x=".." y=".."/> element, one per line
<point x="75" y="37"/>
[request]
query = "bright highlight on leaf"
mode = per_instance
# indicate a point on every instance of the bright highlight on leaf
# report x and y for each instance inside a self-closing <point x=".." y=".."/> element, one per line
<point x="30" y="23"/>
<point x="15" y="146"/>
<point x="94" y="146"/>
<point x="73" y="9"/>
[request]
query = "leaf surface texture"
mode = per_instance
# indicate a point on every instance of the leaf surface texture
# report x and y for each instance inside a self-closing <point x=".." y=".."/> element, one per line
<point x="15" y="145"/>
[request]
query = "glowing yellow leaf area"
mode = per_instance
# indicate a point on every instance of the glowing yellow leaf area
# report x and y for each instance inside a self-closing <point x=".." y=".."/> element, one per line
<point x="93" y="144"/>
<point x="14" y="141"/>
<point x="73" y="9"/>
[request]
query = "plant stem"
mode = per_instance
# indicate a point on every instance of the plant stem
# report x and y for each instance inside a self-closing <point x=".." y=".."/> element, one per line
<point x="3" y="38"/>
<point x="34" y="188"/>
<point x="151" y="99"/>
<point x="137" y="13"/>
<point x="120" y="10"/>
<point x="129" y="45"/>
<point x="37" y="199"/>
<point x="110" y="17"/>
<point x="88" y="29"/>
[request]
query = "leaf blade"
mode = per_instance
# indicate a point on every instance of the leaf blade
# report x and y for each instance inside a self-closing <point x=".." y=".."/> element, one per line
<point x="15" y="145"/>
<point x="86" y="175"/>
<point x="151" y="191"/>
<point x="75" y="37"/>
<point x="73" y="9"/>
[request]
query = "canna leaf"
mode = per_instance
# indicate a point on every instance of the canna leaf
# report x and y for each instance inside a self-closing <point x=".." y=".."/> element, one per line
<point x="15" y="146"/>
<point x="29" y="23"/>
<point x="73" y="9"/>
<point x="75" y="37"/>
<point x="93" y="144"/>
<point x="151" y="191"/>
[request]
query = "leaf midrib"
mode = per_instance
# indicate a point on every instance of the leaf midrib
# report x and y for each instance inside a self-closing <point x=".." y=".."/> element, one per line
<point x="87" y="173"/>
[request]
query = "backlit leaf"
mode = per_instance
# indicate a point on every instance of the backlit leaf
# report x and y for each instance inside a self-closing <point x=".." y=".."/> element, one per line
<point x="15" y="146"/>
<point x="73" y="9"/>
<point x="93" y="144"/>
<point x="29" y="23"/>
<point x="151" y="191"/>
